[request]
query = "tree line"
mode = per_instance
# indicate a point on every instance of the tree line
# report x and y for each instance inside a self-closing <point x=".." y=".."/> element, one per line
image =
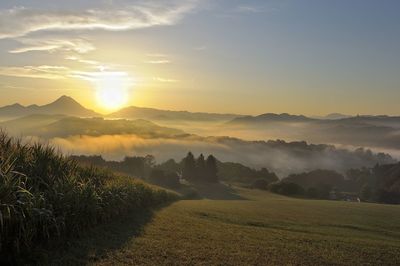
<point x="200" y="169"/>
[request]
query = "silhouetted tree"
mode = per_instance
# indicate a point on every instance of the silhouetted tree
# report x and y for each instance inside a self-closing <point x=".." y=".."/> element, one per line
<point x="312" y="193"/>
<point x="170" y="166"/>
<point x="287" y="188"/>
<point x="366" y="192"/>
<point x="324" y="190"/>
<point x="164" y="179"/>
<point x="267" y="175"/>
<point x="189" y="167"/>
<point x="260" y="184"/>
<point x="211" y="169"/>
<point x="201" y="168"/>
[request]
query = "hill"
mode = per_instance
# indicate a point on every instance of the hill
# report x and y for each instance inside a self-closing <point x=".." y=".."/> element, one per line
<point x="380" y="132"/>
<point x="332" y="116"/>
<point x="134" y="112"/>
<point x="50" y="126"/>
<point x="260" y="229"/>
<point x="271" y="117"/>
<point x="62" y="106"/>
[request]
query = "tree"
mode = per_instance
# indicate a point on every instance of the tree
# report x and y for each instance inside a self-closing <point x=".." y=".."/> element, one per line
<point x="324" y="190"/>
<point x="312" y="193"/>
<point x="201" y="168"/>
<point x="170" y="166"/>
<point x="189" y="167"/>
<point x="366" y="192"/>
<point x="211" y="169"/>
<point x="287" y="188"/>
<point x="165" y="179"/>
<point x="267" y="175"/>
<point x="260" y="184"/>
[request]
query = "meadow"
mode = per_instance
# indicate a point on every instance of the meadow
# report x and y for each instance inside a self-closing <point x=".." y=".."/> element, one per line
<point x="253" y="228"/>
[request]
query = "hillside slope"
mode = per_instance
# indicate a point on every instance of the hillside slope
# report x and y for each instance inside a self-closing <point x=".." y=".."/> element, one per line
<point x="45" y="196"/>
<point x="262" y="229"/>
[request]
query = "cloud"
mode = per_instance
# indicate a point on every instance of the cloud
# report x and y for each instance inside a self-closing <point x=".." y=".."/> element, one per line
<point x="76" y="45"/>
<point x="103" y="74"/>
<point x="165" y="80"/>
<point x="20" y="21"/>
<point x="164" y="61"/>
<point x="95" y="63"/>
<point x="43" y="72"/>
<point x="157" y="55"/>
<point x="248" y="9"/>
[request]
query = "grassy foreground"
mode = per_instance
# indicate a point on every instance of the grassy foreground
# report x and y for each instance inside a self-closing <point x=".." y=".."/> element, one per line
<point x="263" y="229"/>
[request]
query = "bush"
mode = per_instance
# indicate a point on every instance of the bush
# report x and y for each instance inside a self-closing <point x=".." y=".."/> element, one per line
<point x="44" y="195"/>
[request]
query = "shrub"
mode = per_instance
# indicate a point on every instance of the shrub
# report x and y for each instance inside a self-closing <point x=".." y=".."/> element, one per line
<point x="44" y="195"/>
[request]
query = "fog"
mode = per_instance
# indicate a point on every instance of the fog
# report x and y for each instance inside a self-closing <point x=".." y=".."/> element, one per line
<point x="281" y="157"/>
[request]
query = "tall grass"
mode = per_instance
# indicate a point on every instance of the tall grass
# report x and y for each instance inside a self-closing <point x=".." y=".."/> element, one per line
<point x="44" y="195"/>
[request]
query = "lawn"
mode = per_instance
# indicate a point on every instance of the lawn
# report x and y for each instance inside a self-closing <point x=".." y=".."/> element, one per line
<point x="259" y="229"/>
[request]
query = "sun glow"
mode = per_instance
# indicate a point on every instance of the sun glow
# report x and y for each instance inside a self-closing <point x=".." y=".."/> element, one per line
<point x="112" y="89"/>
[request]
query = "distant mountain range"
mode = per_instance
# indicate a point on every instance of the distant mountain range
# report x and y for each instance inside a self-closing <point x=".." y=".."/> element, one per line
<point x="332" y="116"/>
<point x="134" y="112"/>
<point x="66" y="105"/>
<point x="51" y="126"/>
<point x="366" y="131"/>
<point x="70" y="125"/>
<point x="270" y="117"/>
<point x="63" y="106"/>
<point x="264" y="119"/>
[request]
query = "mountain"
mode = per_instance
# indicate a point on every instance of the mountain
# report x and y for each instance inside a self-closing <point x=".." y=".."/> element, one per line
<point x="271" y="117"/>
<point x="62" y="106"/>
<point x="377" y="120"/>
<point x="116" y="138"/>
<point x="28" y="124"/>
<point x="50" y="126"/>
<point x="134" y="112"/>
<point x="333" y="116"/>
<point x="382" y="132"/>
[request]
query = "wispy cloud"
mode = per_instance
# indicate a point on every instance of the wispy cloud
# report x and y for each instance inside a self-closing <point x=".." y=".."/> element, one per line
<point x="166" y="80"/>
<point x="42" y="72"/>
<point x="249" y="9"/>
<point x="84" y="61"/>
<point x="157" y="55"/>
<point x="54" y="44"/>
<point x="61" y="72"/>
<point x="163" y="61"/>
<point x="21" y="21"/>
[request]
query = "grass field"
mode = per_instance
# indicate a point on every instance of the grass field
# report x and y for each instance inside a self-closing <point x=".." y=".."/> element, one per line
<point x="260" y="229"/>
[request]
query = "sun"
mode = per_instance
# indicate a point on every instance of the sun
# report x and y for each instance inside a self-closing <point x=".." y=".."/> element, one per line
<point x="112" y="89"/>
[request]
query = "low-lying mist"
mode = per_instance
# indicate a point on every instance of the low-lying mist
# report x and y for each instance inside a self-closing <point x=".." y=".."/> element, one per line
<point x="281" y="157"/>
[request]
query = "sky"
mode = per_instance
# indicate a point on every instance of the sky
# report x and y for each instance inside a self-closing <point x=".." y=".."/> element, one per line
<point x="309" y="57"/>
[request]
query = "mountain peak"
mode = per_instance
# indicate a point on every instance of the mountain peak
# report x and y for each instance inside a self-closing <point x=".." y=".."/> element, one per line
<point x="16" y="105"/>
<point x="65" y="99"/>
